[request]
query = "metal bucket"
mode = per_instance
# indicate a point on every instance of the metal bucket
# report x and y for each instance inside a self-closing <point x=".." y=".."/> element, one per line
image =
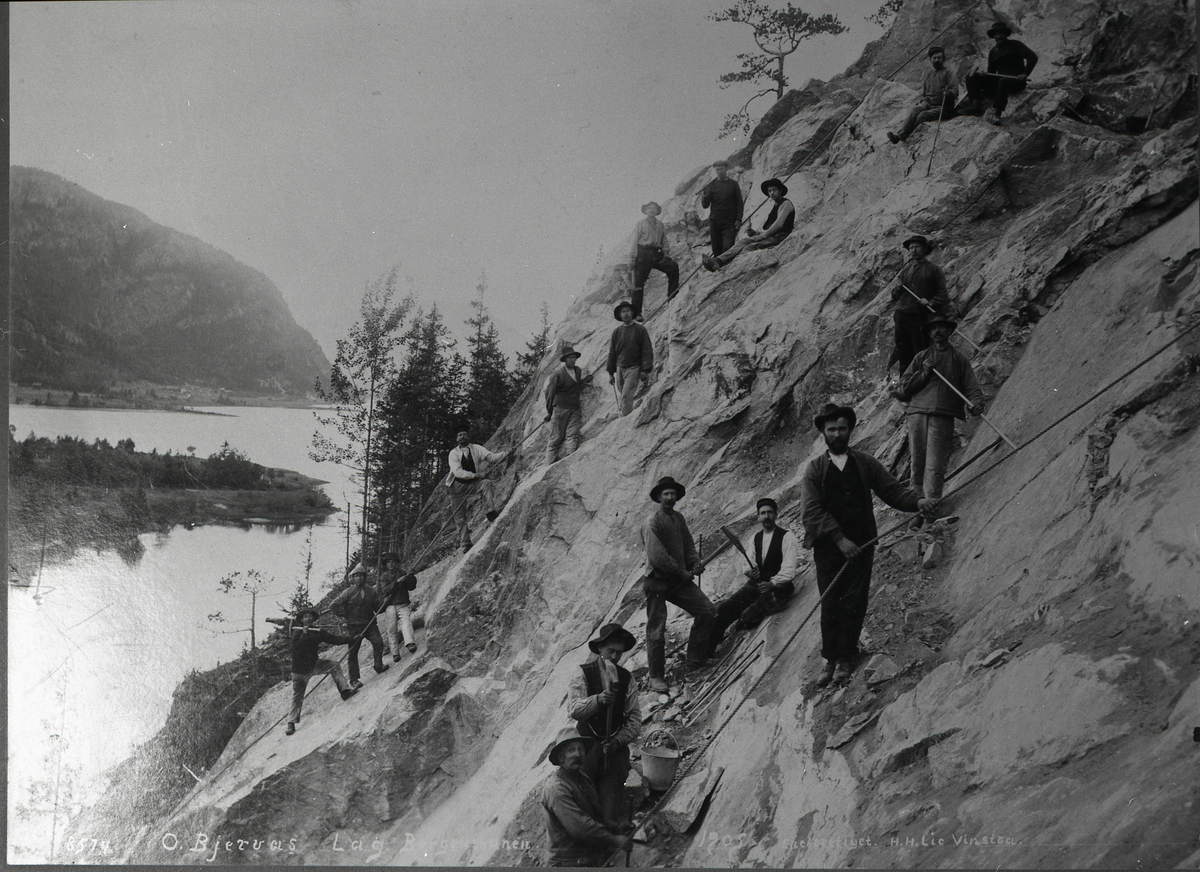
<point x="659" y="763"/>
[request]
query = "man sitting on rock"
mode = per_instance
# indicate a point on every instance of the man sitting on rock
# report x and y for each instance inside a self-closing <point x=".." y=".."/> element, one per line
<point x="359" y="604"/>
<point x="577" y="831"/>
<point x="938" y="93"/>
<point x="1009" y="66"/>
<point x="769" y="584"/>
<point x="306" y="662"/>
<point x="779" y="224"/>
<point x="603" y="698"/>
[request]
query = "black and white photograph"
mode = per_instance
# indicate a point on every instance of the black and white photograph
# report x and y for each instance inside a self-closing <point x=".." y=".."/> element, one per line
<point x="629" y="433"/>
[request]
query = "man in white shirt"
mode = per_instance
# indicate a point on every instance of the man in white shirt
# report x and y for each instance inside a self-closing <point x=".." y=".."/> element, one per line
<point x="651" y="251"/>
<point x="769" y="584"/>
<point x="468" y="479"/>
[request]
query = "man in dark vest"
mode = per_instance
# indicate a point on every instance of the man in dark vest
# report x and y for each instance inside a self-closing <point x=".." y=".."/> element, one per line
<point x="769" y="584"/>
<point x="839" y="522"/>
<point x="467" y="479"/>
<point x="564" y="391"/>
<point x="925" y="280"/>
<point x="1009" y="65"/>
<point x="779" y="225"/>
<point x="723" y="199"/>
<point x="603" y="699"/>
<point x="577" y="832"/>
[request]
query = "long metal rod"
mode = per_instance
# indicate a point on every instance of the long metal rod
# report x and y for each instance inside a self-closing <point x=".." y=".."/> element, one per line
<point x="926" y="304"/>
<point x="1011" y="444"/>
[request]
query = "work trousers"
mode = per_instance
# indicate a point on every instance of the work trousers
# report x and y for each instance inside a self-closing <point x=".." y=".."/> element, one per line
<point x="649" y="259"/>
<point x="565" y="425"/>
<point x="749" y="606"/>
<point x="749" y="243"/>
<point x="300" y="684"/>
<point x="627" y="380"/>
<point x="721" y="233"/>
<point x="609" y="773"/>
<point x="909" y="336"/>
<point x="985" y="86"/>
<point x="688" y="596"/>
<point x="922" y="114"/>
<point x="371" y="633"/>
<point x="461" y="494"/>
<point x="930" y="442"/>
<point x="397" y="620"/>
<point x="845" y="609"/>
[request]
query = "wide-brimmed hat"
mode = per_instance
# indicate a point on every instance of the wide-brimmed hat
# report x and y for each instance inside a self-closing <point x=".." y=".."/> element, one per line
<point x="567" y="351"/>
<point x="648" y="205"/>
<point x="832" y="412"/>
<point x="999" y="28"/>
<point x="770" y="183"/>
<point x="307" y="611"/>
<point x="766" y="501"/>
<point x="607" y="632"/>
<point x="621" y="305"/>
<point x="565" y="735"/>
<point x="667" y="482"/>
<point x="935" y="318"/>
<point x="929" y="246"/>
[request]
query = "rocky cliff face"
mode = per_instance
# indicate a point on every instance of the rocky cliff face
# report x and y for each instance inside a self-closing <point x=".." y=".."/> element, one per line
<point x="1028" y="702"/>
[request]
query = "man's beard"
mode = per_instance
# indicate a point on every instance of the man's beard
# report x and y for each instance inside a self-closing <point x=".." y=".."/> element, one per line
<point x="838" y="445"/>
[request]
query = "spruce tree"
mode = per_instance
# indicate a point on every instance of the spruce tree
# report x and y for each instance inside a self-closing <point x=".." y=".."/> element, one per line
<point x="489" y="392"/>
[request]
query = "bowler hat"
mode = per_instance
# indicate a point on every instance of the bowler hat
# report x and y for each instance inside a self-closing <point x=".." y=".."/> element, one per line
<point x="766" y="501"/>
<point x="773" y="183"/>
<point x="999" y="28"/>
<point x="565" y="735"/>
<point x="832" y="412"/>
<point x="307" y="611"/>
<point x="567" y="351"/>
<point x="621" y="305"/>
<point x="921" y="239"/>
<point x="607" y="632"/>
<point x="935" y="318"/>
<point x="648" y="205"/>
<point x="667" y="482"/>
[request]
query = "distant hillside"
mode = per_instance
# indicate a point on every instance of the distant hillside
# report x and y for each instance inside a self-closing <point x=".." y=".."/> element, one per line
<point x="102" y="293"/>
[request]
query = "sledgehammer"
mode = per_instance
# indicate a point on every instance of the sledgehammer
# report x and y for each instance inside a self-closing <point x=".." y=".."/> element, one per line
<point x="737" y="544"/>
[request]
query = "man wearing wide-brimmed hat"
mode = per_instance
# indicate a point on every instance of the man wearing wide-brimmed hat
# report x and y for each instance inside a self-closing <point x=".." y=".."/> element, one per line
<point x="564" y="404"/>
<point x="839" y="521"/>
<point x="722" y="197"/>
<point x="467" y="479"/>
<point x="917" y="279"/>
<point x="394" y="588"/>
<point x="578" y="833"/>
<point x="651" y="251"/>
<point x="1009" y="65"/>
<point x="360" y="605"/>
<point x="672" y="563"/>
<point x="938" y="93"/>
<point x="603" y="699"/>
<point x="933" y="405"/>
<point x="306" y="662"/>
<point x="779" y="224"/>
<point x="630" y="356"/>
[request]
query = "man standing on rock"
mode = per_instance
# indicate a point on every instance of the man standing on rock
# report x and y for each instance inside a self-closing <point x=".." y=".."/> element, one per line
<point x="938" y="93"/>
<point x="1010" y="63"/>
<point x="650" y="251"/>
<point x="723" y="199"/>
<point x="927" y="281"/>
<point x="603" y="699"/>
<point x="359" y="605"/>
<point x="468" y="479"/>
<point x="779" y="225"/>
<point x="393" y="591"/>
<point x="306" y="662"/>
<point x="672" y="563"/>
<point x="564" y="404"/>
<point x="933" y="405"/>
<point x="630" y="357"/>
<point x="839" y="522"/>
<point x="577" y="830"/>
<point x="769" y="584"/>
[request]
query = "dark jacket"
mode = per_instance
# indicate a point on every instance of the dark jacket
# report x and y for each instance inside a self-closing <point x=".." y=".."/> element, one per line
<point x="723" y="199"/>
<point x="929" y="395"/>
<point x="820" y="527"/>
<point x="630" y="346"/>
<point x="562" y="391"/>
<point x="357" y="606"/>
<point x="306" y="643"/>
<point x="670" y="549"/>
<point x="1012" y="58"/>
<point x="924" y="279"/>
<point x="393" y="589"/>
<point x="576" y="828"/>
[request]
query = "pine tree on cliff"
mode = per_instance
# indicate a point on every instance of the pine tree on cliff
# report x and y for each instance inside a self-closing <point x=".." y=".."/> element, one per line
<point x="529" y="360"/>
<point x="489" y="392"/>
<point x="777" y="33"/>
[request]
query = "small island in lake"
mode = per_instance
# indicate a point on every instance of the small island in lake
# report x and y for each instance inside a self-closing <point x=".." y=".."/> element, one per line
<point x="66" y="494"/>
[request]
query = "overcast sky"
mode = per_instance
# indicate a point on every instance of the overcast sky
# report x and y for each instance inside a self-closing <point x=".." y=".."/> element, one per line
<point x="324" y="142"/>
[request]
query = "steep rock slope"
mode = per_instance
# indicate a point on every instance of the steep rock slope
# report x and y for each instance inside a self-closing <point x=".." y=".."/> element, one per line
<point x="100" y="292"/>
<point x="1043" y="681"/>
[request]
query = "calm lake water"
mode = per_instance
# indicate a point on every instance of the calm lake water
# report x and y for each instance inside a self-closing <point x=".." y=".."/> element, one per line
<point x="95" y="654"/>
